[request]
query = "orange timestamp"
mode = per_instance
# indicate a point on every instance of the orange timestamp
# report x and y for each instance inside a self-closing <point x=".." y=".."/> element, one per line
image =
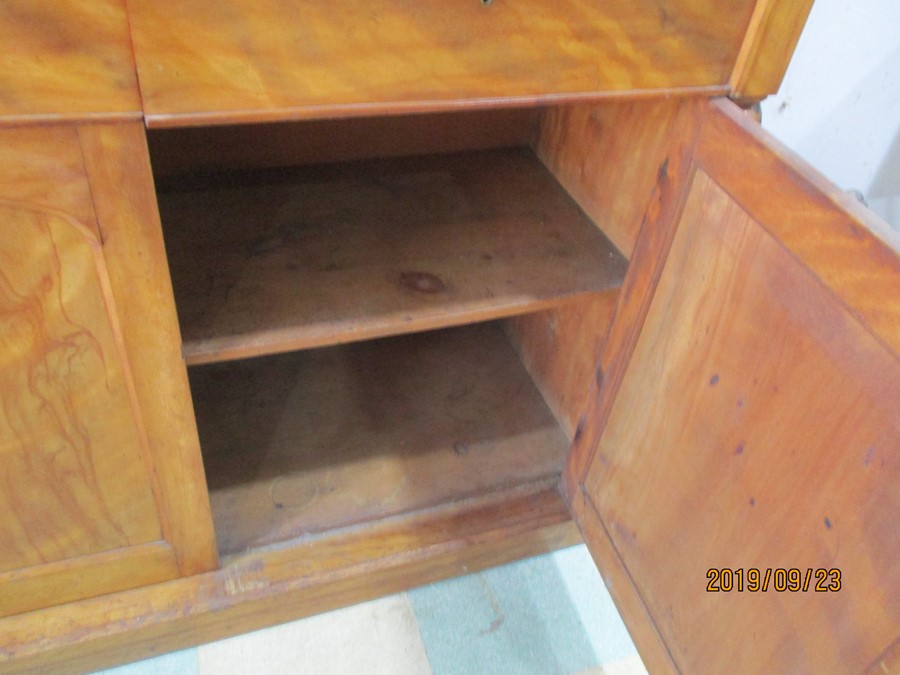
<point x="780" y="579"/>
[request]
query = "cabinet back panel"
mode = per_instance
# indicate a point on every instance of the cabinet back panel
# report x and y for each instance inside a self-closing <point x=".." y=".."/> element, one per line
<point x="303" y="443"/>
<point x="179" y="152"/>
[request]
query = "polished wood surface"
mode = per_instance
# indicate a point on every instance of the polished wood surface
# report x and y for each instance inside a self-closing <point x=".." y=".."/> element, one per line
<point x="303" y="443"/>
<point x="71" y="435"/>
<point x="607" y="155"/>
<point x="203" y="62"/>
<point x="266" y="263"/>
<point x="755" y="428"/>
<point x="656" y="232"/>
<point x="115" y="157"/>
<point x="43" y="167"/>
<point x="623" y="589"/>
<point x="261" y="589"/>
<point x="844" y="243"/>
<point x="183" y="151"/>
<point x="559" y="347"/>
<point x="86" y="576"/>
<point x="769" y="43"/>
<point x="67" y="59"/>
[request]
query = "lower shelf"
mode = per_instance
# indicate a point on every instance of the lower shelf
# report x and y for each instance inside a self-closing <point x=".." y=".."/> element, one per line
<point x="303" y="443"/>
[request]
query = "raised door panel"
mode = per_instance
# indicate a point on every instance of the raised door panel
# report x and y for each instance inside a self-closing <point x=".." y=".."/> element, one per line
<point x="79" y="504"/>
<point x="756" y="428"/>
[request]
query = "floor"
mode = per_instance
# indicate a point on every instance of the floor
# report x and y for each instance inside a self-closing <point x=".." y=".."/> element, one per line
<point x="549" y="615"/>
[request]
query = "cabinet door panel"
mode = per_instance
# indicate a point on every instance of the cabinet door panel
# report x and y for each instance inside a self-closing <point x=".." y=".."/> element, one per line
<point x="86" y="501"/>
<point x="757" y="427"/>
<point x="65" y="401"/>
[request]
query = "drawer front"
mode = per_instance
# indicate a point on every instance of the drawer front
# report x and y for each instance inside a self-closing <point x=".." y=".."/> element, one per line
<point x="243" y="60"/>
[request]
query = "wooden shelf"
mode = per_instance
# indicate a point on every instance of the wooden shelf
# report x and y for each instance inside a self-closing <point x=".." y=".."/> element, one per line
<point x="311" y="441"/>
<point x="272" y="261"/>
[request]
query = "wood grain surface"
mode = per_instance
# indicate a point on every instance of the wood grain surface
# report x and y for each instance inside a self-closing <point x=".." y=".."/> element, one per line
<point x="203" y="62"/>
<point x="657" y="229"/>
<point x="755" y="428"/>
<point x="559" y="347"/>
<point x="302" y="443"/>
<point x="122" y="188"/>
<point x="768" y="47"/>
<point x="67" y="59"/>
<point x="607" y="156"/>
<point x="261" y="589"/>
<point x="278" y="261"/>
<point x="182" y="151"/>
<point x="844" y="243"/>
<point x="71" y="436"/>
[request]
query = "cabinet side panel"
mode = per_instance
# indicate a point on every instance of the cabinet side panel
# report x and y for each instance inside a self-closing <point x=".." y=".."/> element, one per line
<point x="607" y="157"/>
<point x="122" y="185"/>
<point x="559" y="348"/>
<point x="665" y="197"/>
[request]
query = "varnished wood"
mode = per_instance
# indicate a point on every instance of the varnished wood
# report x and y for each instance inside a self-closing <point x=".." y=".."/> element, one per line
<point x="43" y="167"/>
<point x="558" y="347"/>
<point x="71" y="434"/>
<point x="768" y="46"/>
<point x="85" y="576"/>
<point x="261" y="589"/>
<point x="302" y="443"/>
<point x="331" y="254"/>
<point x="887" y="663"/>
<point x="655" y="236"/>
<point x="791" y="463"/>
<point x="623" y="589"/>
<point x="180" y="152"/>
<point x="122" y="187"/>
<point x="238" y="61"/>
<point x="845" y="244"/>
<point x="607" y="156"/>
<point x="67" y="59"/>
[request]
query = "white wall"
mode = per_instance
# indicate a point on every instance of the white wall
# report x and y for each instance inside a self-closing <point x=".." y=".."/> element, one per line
<point x="839" y="104"/>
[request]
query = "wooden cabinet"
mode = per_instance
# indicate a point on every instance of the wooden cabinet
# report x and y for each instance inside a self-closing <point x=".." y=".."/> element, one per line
<point x="444" y="279"/>
<point x="83" y="512"/>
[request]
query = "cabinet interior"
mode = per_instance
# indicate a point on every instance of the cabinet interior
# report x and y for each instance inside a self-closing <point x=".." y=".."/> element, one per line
<point x="380" y="316"/>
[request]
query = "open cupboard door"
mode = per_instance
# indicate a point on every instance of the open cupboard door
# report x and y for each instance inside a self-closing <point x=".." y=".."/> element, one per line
<point x="747" y="417"/>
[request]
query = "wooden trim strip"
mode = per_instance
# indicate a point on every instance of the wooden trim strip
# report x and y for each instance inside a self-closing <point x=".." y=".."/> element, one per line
<point x="118" y="170"/>
<point x="853" y="251"/>
<point x="336" y="111"/>
<point x="86" y="576"/>
<point x="643" y="630"/>
<point x="768" y="45"/>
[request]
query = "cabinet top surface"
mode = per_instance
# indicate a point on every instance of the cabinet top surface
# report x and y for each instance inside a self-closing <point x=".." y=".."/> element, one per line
<point x="240" y="61"/>
<point x="66" y="59"/>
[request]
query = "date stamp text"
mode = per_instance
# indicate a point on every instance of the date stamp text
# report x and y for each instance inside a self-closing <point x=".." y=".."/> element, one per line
<point x="779" y="579"/>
